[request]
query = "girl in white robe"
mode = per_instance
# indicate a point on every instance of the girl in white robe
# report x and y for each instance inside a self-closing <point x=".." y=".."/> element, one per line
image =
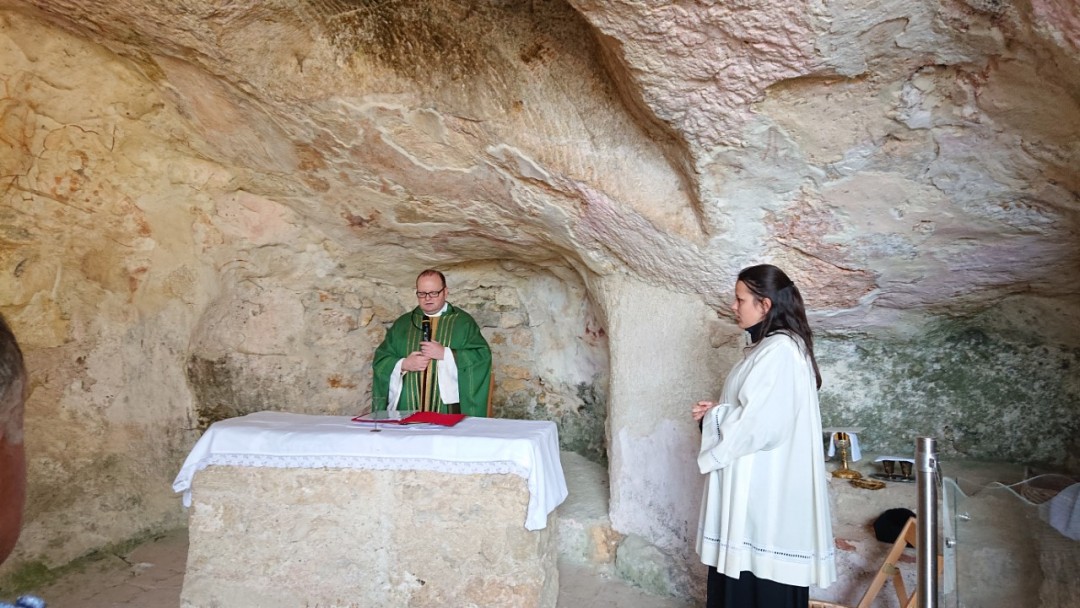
<point x="765" y="529"/>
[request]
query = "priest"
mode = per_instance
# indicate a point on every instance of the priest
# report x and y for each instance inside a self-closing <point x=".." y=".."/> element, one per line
<point x="433" y="358"/>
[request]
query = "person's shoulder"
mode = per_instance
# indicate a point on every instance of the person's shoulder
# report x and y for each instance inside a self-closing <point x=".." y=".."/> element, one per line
<point x="781" y="341"/>
<point x="407" y="317"/>
<point x="454" y="310"/>
<point x="461" y="317"/>
<point x="782" y="336"/>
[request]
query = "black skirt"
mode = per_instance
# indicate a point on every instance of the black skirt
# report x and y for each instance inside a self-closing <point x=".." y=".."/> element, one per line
<point x="750" y="591"/>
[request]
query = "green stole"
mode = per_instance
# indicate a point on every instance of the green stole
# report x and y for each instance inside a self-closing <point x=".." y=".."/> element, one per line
<point x="427" y="383"/>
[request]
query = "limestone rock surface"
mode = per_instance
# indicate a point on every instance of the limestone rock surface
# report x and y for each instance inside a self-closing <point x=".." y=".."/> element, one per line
<point x="209" y="208"/>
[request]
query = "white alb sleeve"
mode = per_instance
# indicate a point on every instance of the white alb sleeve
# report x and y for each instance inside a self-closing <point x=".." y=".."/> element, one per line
<point x="395" y="386"/>
<point x="448" y="378"/>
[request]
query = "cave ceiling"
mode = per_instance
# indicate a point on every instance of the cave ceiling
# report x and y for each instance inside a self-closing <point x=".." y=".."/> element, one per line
<point x="894" y="156"/>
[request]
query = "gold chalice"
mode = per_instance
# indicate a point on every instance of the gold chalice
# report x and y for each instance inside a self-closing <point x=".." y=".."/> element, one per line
<point x="843" y="442"/>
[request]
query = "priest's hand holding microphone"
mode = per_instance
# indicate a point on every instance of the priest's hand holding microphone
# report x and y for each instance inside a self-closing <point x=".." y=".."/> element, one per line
<point x="417" y="361"/>
<point x="428" y="347"/>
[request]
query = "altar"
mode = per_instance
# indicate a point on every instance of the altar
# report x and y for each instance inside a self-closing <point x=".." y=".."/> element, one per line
<point x="293" y="510"/>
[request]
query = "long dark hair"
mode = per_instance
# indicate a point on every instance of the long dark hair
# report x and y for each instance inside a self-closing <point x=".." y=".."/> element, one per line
<point x="787" y="312"/>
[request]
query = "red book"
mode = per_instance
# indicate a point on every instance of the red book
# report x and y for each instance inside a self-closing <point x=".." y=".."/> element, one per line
<point x="434" y="418"/>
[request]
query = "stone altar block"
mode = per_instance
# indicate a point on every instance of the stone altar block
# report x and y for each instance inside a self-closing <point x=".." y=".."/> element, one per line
<point x="280" y="531"/>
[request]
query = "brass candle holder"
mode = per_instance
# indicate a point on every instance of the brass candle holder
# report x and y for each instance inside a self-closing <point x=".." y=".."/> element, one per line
<point x="843" y="442"/>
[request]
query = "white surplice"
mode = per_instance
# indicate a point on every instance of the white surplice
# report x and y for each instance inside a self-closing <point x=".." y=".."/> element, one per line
<point x="766" y="505"/>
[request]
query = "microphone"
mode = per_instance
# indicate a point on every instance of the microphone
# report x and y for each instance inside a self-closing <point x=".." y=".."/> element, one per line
<point x="425" y="330"/>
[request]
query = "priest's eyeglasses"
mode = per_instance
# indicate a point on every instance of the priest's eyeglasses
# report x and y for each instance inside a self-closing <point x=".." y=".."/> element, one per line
<point x="423" y="295"/>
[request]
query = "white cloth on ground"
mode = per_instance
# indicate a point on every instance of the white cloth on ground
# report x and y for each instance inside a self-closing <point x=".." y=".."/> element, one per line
<point x="1062" y="511"/>
<point x="895" y="459"/>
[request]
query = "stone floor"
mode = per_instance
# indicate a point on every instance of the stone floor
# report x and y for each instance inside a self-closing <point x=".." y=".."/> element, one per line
<point x="150" y="576"/>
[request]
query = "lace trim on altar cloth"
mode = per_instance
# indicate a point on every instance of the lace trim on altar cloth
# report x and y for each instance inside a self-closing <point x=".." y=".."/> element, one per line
<point x="503" y="467"/>
<point x="364" y="462"/>
<point x="497" y="468"/>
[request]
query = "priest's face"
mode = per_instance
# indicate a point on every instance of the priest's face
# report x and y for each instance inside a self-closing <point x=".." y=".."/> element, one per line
<point x="431" y="293"/>
<point x="749" y="309"/>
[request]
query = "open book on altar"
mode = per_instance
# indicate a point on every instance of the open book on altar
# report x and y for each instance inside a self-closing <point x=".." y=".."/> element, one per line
<point x="408" y="417"/>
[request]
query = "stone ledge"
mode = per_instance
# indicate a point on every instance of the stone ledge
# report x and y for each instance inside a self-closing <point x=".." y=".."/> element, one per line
<point x="585" y="534"/>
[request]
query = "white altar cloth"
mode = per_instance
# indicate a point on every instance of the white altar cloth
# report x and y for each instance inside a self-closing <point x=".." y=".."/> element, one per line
<point x="527" y="448"/>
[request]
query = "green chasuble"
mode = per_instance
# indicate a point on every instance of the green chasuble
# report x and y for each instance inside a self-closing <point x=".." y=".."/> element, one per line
<point x="455" y="330"/>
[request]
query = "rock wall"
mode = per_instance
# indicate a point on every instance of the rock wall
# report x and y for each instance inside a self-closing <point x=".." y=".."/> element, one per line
<point x="210" y="208"/>
<point x="983" y="395"/>
<point x="155" y="294"/>
<point x="306" y="343"/>
<point x="102" y="283"/>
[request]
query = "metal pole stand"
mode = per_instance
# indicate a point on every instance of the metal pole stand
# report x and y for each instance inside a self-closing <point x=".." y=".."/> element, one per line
<point x="927" y="547"/>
